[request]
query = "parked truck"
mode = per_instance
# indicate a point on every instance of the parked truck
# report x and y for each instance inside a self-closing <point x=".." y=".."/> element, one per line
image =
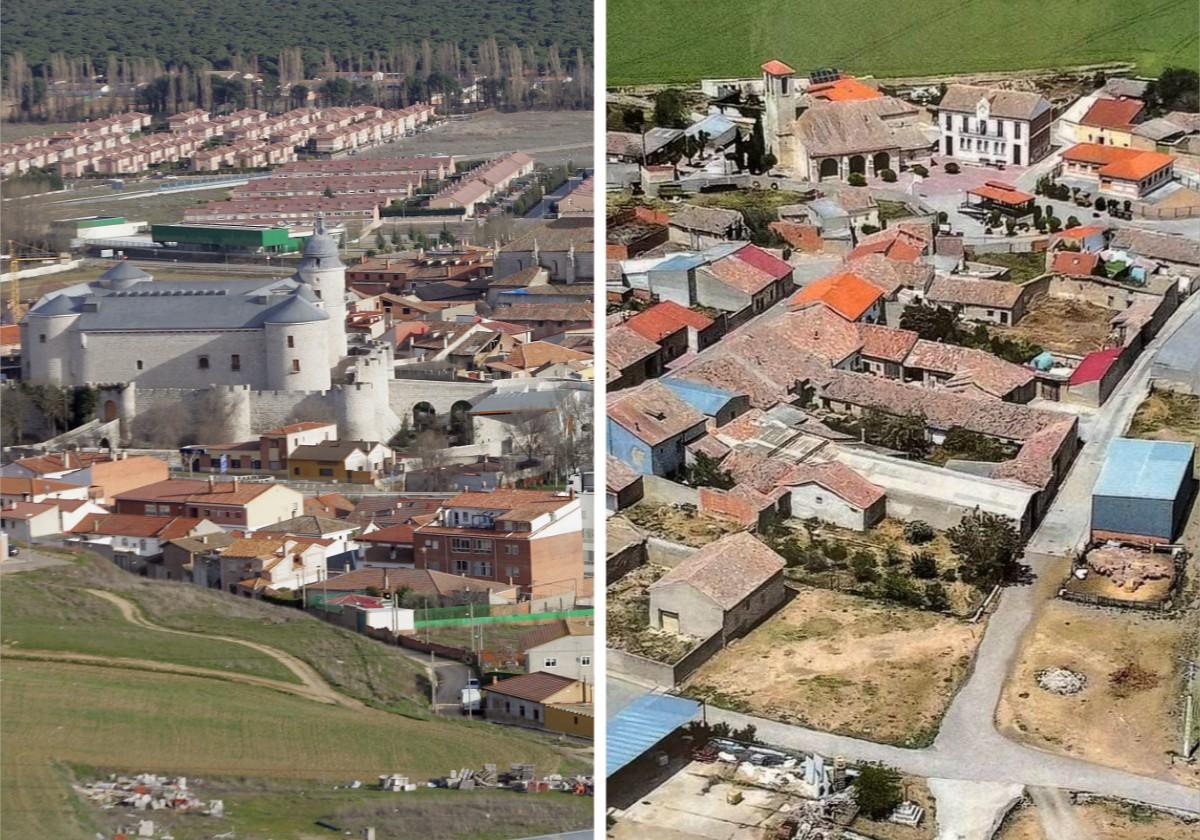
<point x="472" y="697"/>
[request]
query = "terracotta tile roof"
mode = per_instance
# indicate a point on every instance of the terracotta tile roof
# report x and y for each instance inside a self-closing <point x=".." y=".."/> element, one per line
<point x="1009" y="104"/>
<point x="420" y="581"/>
<point x="567" y="312"/>
<point x="752" y="468"/>
<point x="1079" y="263"/>
<point x="1154" y="245"/>
<point x="536" y="688"/>
<point x="626" y="347"/>
<point x="1113" y="113"/>
<point x="309" y="525"/>
<point x="895" y="243"/>
<point x="845" y="293"/>
<point x="1082" y="232"/>
<point x="891" y="275"/>
<point x="182" y="490"/>
<point x="652" y="412"/>
<point x="775" y="67"/>
<point x="293" y="428"/>
<point x="840" y="480"/>
<point x="1002" y="192"/>
<point x="886" y="343"/>
<point x="13" y="486"/>
<point x="329" y="504"/>
<point x="57" y="462"/>
<point x="130" y="525"/>
<point x="819" y="330"/>
<point x="997" y="294"/>
<point x="505" y="499"/>
<point x="10" y="334"/>
<point x="806" y="238"/>
<point x="27" y="510"/>
<point x="843" y="90"/>
<point x="666" y="318"/>
<point x="1115" y="162"/>
<point x="618" y="475"/>
<point x="711" y="220"/>
<point x="968" y="366"/>
<point x="726" y="570"/>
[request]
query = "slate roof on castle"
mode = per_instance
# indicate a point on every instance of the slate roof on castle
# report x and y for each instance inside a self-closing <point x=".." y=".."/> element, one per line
<point x="125" y="298"/>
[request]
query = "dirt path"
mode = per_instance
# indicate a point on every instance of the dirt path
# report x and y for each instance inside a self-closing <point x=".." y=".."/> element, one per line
<point x="314" y="685"/>
<point x="164" y="668"/>
<point x="1056" y="814"/>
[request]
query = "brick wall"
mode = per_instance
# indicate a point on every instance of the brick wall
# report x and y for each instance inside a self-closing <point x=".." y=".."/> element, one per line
<point x="721" y="503"/>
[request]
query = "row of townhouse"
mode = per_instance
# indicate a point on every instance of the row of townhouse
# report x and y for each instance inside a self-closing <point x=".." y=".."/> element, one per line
<point x="483" y="183"/>
<point x="289" y="210"/>
<point x="385" y="187"/>
<point x="246" y="155"/>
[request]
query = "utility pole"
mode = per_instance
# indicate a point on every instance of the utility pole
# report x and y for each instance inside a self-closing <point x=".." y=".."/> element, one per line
<point x="432" y="681"/>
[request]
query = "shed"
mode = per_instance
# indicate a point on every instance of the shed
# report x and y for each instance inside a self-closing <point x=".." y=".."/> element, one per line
<point x="1144" y="491"/>
<point x="645" y="722"/>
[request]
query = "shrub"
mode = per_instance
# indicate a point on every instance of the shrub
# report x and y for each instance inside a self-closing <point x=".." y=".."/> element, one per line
<point x="897" y="587"/>
<point x="1100" y="204"/>
<point x="924" y="566"/>
<point x="918" y="532"/>
<point x="936" y="597"/>
<point x="1072" y="221"/>
<point x="918" y="169"/>
<point x="869" y="229"/>
<point x="887" y="175"/>
<point x="1055" y="225"/>
<point x="836" y="553"/>
<point x="951" y="168"/>
<point x="856" y="179"/>
<point x="950" y="574"/>
<point x="864" y="567"/>
<point x="877" y="790"/>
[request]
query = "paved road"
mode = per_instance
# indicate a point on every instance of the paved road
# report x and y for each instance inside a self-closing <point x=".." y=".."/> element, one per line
<point x="28" y="560"/>
<point x="968" y="746"/>
<point x="452" y="678"/>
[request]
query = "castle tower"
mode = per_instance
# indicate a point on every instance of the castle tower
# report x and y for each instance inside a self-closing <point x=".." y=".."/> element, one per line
<point x="46" y="347"/>
<point x="779" y="99"/>
<point x="297" y="337"/>
<point x="323" y="270"/>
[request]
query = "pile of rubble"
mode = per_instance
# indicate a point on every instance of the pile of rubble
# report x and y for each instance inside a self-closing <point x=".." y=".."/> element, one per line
<point x="808" y="775"/>
<point x="1061" y="681"/>
<point x="519" y="777"/>
<point x="1130" y="568"/>
<point x="148" y="792"/>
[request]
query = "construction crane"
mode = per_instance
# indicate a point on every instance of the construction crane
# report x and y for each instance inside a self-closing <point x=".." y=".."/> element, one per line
<point x="16" y="309"/>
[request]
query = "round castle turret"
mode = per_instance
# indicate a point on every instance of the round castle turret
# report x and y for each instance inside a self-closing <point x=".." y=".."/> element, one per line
<point x="46" y="341"/>
<point x="323" y="270"/>
<point x="297" y="344"/>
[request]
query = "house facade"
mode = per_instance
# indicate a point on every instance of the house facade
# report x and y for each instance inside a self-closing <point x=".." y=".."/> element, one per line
<point x="994" y="126"/>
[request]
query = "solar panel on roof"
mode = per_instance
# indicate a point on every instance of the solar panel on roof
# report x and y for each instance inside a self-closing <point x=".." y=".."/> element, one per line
<point x="824" y="74"/>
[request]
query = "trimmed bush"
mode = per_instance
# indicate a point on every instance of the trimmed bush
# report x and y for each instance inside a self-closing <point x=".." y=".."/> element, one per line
<point x="856" y="179"/>
<point x="951" y="168"/>
<point x="887" y="175"/>
<point x="918" y="169"/>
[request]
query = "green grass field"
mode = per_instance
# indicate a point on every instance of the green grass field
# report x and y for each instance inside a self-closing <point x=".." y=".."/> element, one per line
<point x="682" y="40"/>
<point x="60" y="715"/>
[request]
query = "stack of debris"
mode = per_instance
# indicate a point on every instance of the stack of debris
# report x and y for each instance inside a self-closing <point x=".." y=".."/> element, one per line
<point x="148" y="792"/>
<point x="1130" y="568"/>
<point x="396" y="783"/>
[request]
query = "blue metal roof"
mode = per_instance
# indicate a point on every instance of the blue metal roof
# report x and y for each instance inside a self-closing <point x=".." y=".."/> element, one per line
<point x="642" y="724"/>
<point x="707" y="399"/>
<point x="1144" y="469"/>
<point x="680" y="262"/>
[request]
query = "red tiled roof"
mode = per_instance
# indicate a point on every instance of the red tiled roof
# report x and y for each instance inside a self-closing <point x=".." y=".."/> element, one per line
<point x="666" y="318"/>
<point x="13" y="486"/>
<point x="1114" y="162"/>
<point x="846" y="89"/>
<point x="894" y="243"/>
<point x="846" y="293"/>
<point x="536" y="687"/>
<point x="805" y="238"/>
<point x="506" y="499"/>
<point x="292" y="428"/>
<point x="1079" y="263"/>
<point x="10" y="334"/>
<point x="652" y="412"/>
<point x="1002" y="193"/>
<point x="726" y="570"/>
<point x="891" y="345"/>
<point x="1082" y="231"/>
<point x="775" y="67"/>
<point x="1112" y="113"/>
<point x="392" y="534"/>
<point x="131" y="525"/>
<point x="840" y="480"/>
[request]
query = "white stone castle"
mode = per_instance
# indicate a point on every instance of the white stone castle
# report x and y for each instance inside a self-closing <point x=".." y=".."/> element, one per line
<point x="129" y="335"/>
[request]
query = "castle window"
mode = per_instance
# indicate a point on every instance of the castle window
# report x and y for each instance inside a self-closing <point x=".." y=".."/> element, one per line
<point x="235" y="362"/>
<point x="140" y="364"/>
<point x="291" y="342"/>
<point x="202" y="362"/>
<point x="295" y="365"/>
<point x="42" y="338"/>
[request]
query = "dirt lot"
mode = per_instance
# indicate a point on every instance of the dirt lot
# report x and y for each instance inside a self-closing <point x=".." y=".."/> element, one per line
<point x="681" y="525"/>
<point x="1127" y="715"/>
<point x="628" y="607"/>
<point x="1104" y="821"/>
<point x="845" y="664"/>
<point x="1166" y="415"/>
<point x="1063" y="326"/>
<point x="551" y="137"/>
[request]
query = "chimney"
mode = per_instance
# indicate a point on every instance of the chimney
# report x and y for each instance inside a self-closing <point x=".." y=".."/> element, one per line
<point x="212" y="482"/>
